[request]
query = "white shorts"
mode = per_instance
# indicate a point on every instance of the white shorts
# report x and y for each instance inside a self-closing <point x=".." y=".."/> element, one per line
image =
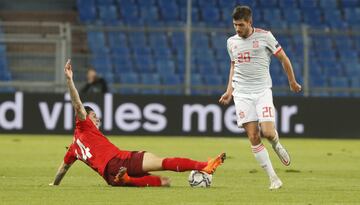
<point x="254" y="107"/>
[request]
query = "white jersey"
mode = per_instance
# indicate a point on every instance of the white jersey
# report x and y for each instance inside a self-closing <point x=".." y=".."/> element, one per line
<point x="252" y="57"/>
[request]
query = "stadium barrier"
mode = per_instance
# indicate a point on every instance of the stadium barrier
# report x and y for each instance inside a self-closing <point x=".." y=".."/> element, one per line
<point x="175" y="115"/>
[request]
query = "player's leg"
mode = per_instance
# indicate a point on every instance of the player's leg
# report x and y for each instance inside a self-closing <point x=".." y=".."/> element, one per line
<point x="146" y="180"/>
<point x="268" y="131"/>
<point x="151" y="162"/>
<point x="247" y="118"/>
<point x="266" y="113"/>
<point x="261" y="154"/>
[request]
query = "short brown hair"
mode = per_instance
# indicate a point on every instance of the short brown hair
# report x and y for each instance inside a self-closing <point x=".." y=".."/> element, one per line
<point x="242" y="12"/>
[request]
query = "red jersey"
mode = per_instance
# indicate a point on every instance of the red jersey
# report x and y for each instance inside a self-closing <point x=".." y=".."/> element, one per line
<point x="92" y="147"/>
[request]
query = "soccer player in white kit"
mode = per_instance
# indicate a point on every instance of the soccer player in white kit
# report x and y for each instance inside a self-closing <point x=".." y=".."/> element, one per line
<point x="250" y="51"/>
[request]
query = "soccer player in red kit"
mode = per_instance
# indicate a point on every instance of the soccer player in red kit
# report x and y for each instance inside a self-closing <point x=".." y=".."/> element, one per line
<point x="118" y="167"/>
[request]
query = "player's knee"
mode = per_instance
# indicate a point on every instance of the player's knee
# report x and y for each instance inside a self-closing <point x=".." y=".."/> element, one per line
<point x="254" y="138"/>
<point x="165" y="181"/>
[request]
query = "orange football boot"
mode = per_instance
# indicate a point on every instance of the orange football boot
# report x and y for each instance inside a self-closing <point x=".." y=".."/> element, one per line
<point x="214" y="163"/>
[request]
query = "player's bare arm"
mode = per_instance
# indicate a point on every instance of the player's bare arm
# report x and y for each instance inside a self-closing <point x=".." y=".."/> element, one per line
<point x="227" y="96"/>
<point x="286" y="64"/>
<point x="75" y="98"/>
<point x="60" y="173"/>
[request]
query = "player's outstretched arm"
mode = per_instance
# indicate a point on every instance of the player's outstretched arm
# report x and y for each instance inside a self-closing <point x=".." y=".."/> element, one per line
<point x="227" y="96"/>
<point x="75" y="98"/>
<point x="60" y="173"/>
<point x="286" y="64"/>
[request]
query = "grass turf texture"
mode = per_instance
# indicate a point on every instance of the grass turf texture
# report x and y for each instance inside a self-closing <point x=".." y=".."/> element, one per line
<point x="322" y="172"/>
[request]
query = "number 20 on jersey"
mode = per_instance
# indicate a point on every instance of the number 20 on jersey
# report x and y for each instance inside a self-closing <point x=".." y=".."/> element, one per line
<point x="244" y="57"/>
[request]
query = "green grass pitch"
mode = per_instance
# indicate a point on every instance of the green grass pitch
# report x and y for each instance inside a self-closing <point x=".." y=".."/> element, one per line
<point x="322" y="172"/>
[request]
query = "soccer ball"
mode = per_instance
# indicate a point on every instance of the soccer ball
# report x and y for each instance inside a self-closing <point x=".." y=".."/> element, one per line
<point x="199" y="179"/>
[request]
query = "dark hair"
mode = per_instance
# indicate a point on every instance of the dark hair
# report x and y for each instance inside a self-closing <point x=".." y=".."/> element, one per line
<point x="242" y="12"/>
<point x="88" y="109"/>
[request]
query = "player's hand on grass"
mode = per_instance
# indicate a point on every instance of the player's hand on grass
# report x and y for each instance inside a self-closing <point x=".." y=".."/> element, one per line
<point x="225" y="98"/>
<point x="68" y="69"/>
<point x="295" y="87"/>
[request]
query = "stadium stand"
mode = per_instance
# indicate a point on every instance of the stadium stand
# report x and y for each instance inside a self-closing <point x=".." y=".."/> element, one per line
<point x="161" y="55"/>
<point x="329" y="66"/>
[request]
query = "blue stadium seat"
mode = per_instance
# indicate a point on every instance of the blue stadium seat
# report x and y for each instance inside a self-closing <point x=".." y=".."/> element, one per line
<point x="174" y="81"/>
<point x="280" y="81"/>
<point x="352" y="67"/>
<point x="292" y="16"/>
<point x="87" y="11"/>
<point x="150" y="79"/>
<point x="195" y="15"/>
<point x="343" y="43"/>
<point x="200" y="40"/>
<point x="226" y="4"/>
<point x="150" y="15"/>
<point x="352" y="15"/>
<point x="137" y="40"/>
<point x="123" y="65"/>
<point x="162" y="52"/>
<point x="177" y="39"/>
<point x="102" y="64"/>
<point x="308" y="4"/>
<point x="207" y="69"/>
<point x="197" y="80"/>
<point x="334" y="18"/>
<point x="339" y="82"/>
<point x="214" y="80"/>
<point x="165" y="66"/>
<point x="117" y="39"/>
<point x="288" y="4"/>
<point x="108" y="15"/>
<point x="355" y="82"/>
<point x="273" y="18"/>
<point x="328" y="4"/>
<point x="313" y="17"/>
<point x="335" y="70"/>
<point x="211" y="16"/>
<point x="350" y="3"/>
<point x="130" y="13"/>
<point x="96" y="41"/>
<point x="346" y="55"/>
<point x="169" y="12"/>
<point x="251" y="3"/>
<point x="144" y="64"/>
<point x="130" y="79"/>
<point x="146" y="3"/>
<point x="158" y="40"/>
<point x="318" y="81"/>
<point x="219" y="41"/>
<point x="268" y="3"/>
<point x="105" y="2"/>
<point x="142" y="51"/>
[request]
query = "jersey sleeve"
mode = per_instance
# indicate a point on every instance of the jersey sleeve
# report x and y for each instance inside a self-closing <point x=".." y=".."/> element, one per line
<point x="70" y="156"/>
<point x="228" y="46"/>
<point x="272" y="44"/>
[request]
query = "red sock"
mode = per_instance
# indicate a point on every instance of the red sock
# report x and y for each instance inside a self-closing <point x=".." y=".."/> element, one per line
<point x="145" y="181"/>
<point x="182" y="164"/>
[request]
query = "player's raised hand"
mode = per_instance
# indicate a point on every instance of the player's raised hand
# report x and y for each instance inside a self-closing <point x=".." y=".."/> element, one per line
<point x="295" y="87"/>
<point x="225" y="98"/>
<point x="68" y="69"/>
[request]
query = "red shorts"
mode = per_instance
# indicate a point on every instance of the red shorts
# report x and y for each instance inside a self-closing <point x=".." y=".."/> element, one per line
<point x="133" y="165"/>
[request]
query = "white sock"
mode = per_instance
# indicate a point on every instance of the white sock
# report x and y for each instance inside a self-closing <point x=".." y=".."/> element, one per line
<point x="262" y="156"/>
